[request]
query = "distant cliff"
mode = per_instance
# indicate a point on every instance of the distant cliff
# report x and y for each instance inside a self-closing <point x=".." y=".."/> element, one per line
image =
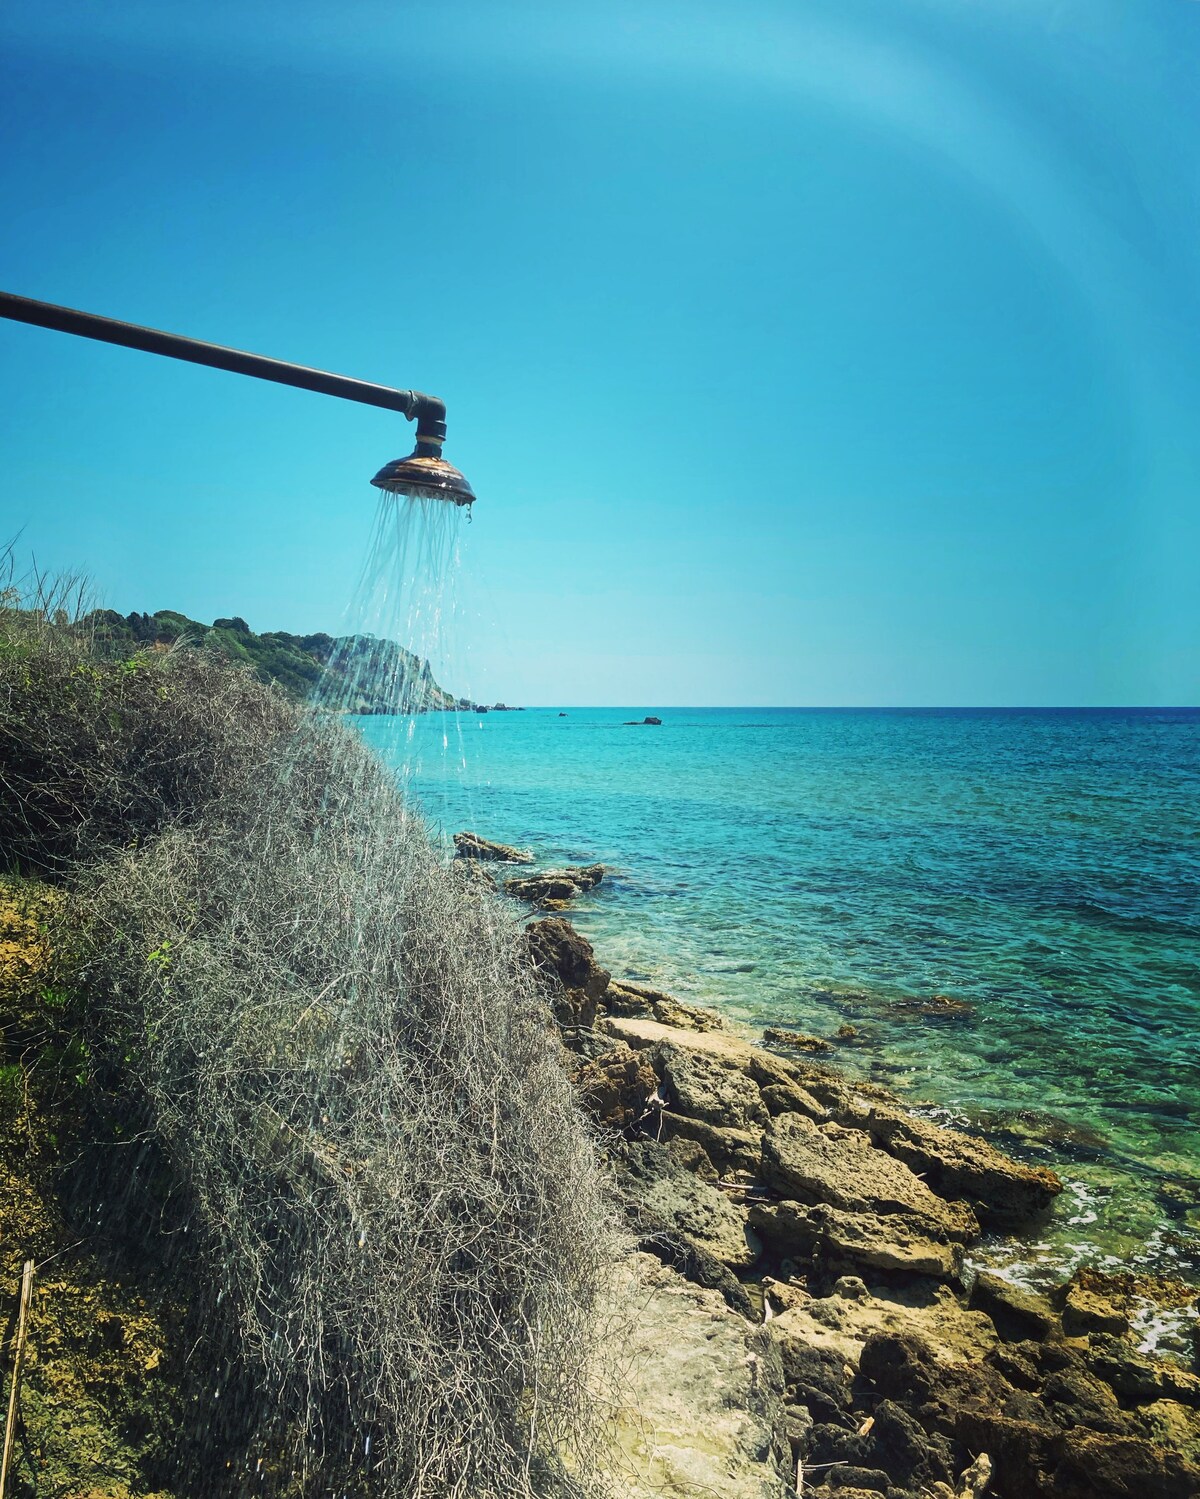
<point x="354" y="673"/>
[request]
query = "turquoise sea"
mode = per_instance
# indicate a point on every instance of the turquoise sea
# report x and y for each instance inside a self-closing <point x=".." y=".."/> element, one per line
<point x="821" y="868"/>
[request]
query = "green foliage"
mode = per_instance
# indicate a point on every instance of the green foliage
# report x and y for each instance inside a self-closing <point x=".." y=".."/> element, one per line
<point x="12" y="1077"/>
<point x="356" y="673"/>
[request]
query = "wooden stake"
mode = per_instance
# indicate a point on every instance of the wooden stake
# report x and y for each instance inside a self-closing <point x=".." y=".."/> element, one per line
<point x="10" y="1426"/>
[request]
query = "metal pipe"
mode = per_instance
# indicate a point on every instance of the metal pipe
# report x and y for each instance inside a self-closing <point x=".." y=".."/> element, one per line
<point x="427" y="411"/>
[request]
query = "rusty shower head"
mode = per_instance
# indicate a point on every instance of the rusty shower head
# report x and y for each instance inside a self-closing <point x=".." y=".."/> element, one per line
<point x="425" y="476"/>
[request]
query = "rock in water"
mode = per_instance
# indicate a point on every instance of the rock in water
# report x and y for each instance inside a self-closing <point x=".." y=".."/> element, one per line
<point x="554" y="888"/>
<point x="472" y="846"/>
<point x="774" y="1036"/>
<point x="1004" y="1193"/>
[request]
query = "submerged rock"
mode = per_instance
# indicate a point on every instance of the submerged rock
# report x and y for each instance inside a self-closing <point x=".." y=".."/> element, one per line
<point x="797" y="1040"/>
<point x="935" y="1007"/>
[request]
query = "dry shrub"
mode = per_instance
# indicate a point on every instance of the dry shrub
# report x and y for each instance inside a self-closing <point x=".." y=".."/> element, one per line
<point x="99" y="753"/>
<point x="399" y="1210"/>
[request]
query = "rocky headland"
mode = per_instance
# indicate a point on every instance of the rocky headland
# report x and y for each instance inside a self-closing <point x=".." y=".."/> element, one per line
<point x="808" y="1322"/>
<point x="349" y="673"/>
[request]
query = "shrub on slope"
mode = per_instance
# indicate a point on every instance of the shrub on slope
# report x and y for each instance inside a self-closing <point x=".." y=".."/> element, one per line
<point x="399" y="1211"/>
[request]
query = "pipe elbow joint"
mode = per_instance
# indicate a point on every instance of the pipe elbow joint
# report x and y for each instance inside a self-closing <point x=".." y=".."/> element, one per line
<point x="430" y="416"/>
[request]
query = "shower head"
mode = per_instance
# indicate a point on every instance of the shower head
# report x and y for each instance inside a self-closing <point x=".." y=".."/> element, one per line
<point x="423" y="476"/>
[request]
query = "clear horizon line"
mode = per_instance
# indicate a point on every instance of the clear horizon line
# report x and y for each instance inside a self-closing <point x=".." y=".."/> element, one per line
<point x="868" y="707"/>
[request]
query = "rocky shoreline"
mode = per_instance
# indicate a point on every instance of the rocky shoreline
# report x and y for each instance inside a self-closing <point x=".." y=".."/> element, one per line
<point x="806" y="1324"/>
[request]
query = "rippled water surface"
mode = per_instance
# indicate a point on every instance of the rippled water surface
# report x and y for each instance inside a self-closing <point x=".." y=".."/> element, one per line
<point x="817" y="869"/>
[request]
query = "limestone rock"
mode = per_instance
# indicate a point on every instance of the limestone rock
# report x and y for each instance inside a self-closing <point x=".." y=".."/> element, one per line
<point x="1098" y="1466"/>
<point x="791" y="1098"/>
<point x="1138" y="1379"/>
<point x="1016" y="1313"/>
<point x="894" y="1242"/>
<point x="1086" y="1309"/>
<point x="844" y="1323"/>
<point x="797" y="1040"/>
<point x="1065" y="1438"/>
<point x="630" y="1000"/>
<point x="1004" y="1193"/>
<point x="1170" y="1424"/>
<point x="842" y="1167"/>
<point x="659" y="1190"/>
<point x="559" y="952"/>
<point x="687" y="1258"/>
<point x="707" y="1087"/>
<point x="704" y="1409"/>
<point x="718" y="1044"/>
<point x="554" y="888"/>
<point x="730" y="1150"/>
<point x="616" y="1086"/>
<point x="818" y="1380"/>
<point x="693" y="1157"/>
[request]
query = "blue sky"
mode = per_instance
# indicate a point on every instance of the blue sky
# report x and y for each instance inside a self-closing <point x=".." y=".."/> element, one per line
<point x="799" y="353"/>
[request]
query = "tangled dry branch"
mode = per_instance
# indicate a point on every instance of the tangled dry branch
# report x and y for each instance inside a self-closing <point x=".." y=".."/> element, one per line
<point x="347" y="1064"/>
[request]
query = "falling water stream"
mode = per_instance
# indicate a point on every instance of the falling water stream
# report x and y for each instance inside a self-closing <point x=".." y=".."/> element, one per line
<point x="401" y="654"/>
